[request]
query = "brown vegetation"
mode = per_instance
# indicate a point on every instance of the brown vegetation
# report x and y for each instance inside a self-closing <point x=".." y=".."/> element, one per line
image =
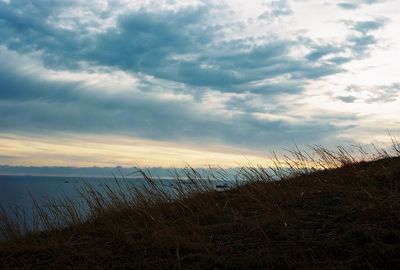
<point x="322" y="210"/>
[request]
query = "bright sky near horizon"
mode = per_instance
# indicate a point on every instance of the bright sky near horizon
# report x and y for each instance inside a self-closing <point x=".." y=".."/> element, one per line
<point x="165" y="83"/>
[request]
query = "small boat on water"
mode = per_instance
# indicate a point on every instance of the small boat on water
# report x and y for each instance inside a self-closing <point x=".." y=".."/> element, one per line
<point x="222" y="186"/>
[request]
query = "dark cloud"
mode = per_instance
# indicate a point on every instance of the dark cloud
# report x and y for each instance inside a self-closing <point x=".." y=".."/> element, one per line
<point x="54" y="106"/>
<point x="355" y="4"/>
<point x="349" y="6"/>
<point x="355" y="46"/>
<point x="150" y="43"/>
<point x="363" y="41"/>
<point x="145" y="41"/>
<point x="339" y="60"/>
<point x="178" y="46"/>
<point x="347" y="99"/>
<point x="366" y="26"/>
<point x="322" y="51"/>
<point x="361" y="44"/>
<point x="183" y="47"/>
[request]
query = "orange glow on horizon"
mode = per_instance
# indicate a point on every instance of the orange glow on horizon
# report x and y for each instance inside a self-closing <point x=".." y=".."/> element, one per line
<point x="108" y="151"/>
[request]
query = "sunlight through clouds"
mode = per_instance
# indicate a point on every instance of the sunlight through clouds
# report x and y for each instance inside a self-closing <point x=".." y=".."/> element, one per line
<point x="196" y="75"/>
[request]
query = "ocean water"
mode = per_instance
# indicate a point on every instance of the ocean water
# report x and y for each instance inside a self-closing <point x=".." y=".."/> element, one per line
<point x="17" y="191"/>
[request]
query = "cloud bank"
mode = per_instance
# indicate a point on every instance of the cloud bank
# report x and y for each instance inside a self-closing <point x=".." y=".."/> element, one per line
<point x="199" y="73"/>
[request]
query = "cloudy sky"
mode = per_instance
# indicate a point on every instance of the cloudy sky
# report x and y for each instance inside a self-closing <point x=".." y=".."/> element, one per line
<point x="161" y="83"/>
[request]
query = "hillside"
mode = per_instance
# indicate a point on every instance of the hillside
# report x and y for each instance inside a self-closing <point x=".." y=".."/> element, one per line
<point x="346" y="217"/>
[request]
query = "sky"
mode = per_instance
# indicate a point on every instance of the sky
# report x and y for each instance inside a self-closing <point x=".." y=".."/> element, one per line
<point x="168" y="83"/>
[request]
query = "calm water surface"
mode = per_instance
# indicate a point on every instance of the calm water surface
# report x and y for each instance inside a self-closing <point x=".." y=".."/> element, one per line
<point x="15" y="190"/>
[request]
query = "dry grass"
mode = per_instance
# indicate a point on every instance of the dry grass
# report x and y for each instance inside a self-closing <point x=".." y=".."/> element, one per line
<point x="319" y="209"/>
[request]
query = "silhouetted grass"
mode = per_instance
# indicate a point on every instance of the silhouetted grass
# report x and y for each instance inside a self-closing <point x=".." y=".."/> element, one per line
<point x="316" y="209"/>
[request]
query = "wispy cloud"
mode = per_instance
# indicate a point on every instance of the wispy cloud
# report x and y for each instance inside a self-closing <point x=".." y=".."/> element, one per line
<point x="355" y="4"/>
<point x="372" y="93"/>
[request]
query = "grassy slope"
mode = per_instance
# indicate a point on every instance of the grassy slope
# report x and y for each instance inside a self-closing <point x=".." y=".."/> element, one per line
<point x="347" y="218"/>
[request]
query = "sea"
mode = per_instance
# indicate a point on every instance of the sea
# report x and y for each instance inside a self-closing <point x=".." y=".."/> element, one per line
<point x="17" y="191"/>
